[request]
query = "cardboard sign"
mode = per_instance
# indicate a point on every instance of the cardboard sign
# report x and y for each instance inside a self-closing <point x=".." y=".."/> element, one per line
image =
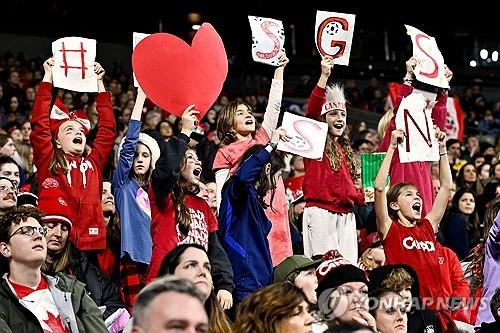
<point x="430" y="61"/>
<point x="414" y="117"/>
<point x="308" y="136"/>
<point x="333" y="35"/>
<point x="175" y="75"/>
<point x="268" y="39"/>
<point x="136" y="38"/>
<point x="370" y="164"/>
<point x="74" y="59"/>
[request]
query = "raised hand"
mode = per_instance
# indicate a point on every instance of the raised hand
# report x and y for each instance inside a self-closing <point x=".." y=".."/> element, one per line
<point x="410" y="67"/>
<point x="280" y="134"/>
<point x="397" y="137"/>
<point x="47" y="67"/>
<point x="448" y="74"/>
<point x="326" y="66"/>
<point x="99" y="70"/>
<point x="189" y="119"/>
<point x="283" y="59"/>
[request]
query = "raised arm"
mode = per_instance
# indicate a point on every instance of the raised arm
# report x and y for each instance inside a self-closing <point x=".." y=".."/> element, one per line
<point x="381" y="211"/>
<point x="441" y="202"/>
<point x="317" y="98"/>
<point x="40" y="136"/>
<point x="126" y="160"/>
<point x="106" y="133"/>
<point x="439" y="111"/>
<point x="251" y="169"/>
<point x="168" y="167"/>
<point x="273" y="107"/>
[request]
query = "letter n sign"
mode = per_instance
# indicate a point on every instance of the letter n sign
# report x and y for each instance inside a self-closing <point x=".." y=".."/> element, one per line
<point x="414" y="117"/>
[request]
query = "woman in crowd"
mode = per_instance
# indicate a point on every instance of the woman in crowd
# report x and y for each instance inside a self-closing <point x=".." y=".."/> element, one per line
<point x="278" y="308"/>
<point x="389" y="311"/>
<point x="190" y="261"/>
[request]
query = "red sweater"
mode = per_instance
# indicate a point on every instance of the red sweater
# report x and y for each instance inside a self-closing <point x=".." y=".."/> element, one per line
<point x="165" y="230"/>
<point x="324" y="188"/>
<point x="83" y="184"/>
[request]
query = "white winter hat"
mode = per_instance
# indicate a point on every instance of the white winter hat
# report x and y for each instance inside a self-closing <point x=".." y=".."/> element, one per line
<point x="335" y="99"/>
<point x="149" y="142"/>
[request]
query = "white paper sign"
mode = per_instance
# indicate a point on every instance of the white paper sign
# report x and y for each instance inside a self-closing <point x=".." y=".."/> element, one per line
<point x="414" y="117"/>
<point x="333" y="35"/>
<point x="74" y="64"/>
<point x="430" y="61"/>
<point x="268" y="39"/>
<point x="308" y="136"/>
<point x="136" y="38"/>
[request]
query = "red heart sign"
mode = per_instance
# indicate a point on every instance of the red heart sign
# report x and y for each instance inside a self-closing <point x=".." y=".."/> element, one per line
<point x="175" y="75"/>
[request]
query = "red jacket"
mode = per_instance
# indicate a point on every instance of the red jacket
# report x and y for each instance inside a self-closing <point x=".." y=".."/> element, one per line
<point x="83" y="184"/>
<point x="324" y="188"/>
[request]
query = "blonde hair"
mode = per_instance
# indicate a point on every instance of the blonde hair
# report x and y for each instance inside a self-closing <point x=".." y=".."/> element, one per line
<point x="25" y="150"/>
<point x="332" y="151"/>
<point x="59" y="261"/>
<point x="384" y="122"/>
<point x="58" y="162"/>
<point x="397" y="280"/>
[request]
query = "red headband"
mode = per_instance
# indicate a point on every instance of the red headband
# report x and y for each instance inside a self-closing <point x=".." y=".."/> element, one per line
<point x="60" y="113"/>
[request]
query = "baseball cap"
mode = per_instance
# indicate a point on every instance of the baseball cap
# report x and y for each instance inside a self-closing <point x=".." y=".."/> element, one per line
<point x="292" y="264"/>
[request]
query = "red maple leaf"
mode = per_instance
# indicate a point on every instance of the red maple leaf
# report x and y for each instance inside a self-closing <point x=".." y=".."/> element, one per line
<point x="55" y="324"/>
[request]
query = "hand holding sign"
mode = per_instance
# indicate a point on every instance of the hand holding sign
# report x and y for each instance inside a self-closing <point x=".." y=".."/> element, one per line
<point x="430" y="61"/>
<point x="307" y="137"/>
<point x="333" y="35"/>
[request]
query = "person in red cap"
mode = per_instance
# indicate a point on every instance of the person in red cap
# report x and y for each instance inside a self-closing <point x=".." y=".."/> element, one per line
<point x="63" y="257"/>
<point x="59" y="152"/>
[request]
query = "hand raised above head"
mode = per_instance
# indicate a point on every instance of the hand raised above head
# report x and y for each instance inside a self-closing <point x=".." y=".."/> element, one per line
<point x="99" y="70"/>
<point x="326" y="65"/>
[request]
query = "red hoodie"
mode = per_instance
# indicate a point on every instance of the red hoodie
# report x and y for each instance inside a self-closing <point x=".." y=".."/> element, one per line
<point x="324" y="188"/>
<point x="83" y="184"/>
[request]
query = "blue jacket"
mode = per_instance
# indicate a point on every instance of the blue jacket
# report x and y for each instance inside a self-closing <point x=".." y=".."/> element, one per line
<point x="244" y="226"/>
<point x="132" y="202"/>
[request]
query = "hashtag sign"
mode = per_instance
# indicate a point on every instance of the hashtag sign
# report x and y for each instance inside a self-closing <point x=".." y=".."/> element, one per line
<point x="65" y="65"/>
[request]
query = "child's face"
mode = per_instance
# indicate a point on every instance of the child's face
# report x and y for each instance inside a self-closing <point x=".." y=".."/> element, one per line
<point x="244" y="121"/>
<point x="142" y="159"/>
<point x="409" y="203"/>
<point x="192" y="169"/>
<point x="336" y="120"/>
<point x="71" y="138"/>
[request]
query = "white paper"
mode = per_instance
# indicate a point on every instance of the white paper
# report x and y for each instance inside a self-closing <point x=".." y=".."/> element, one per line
<point x="136" y="38"/>
<point x="414" y="117"/>
<point x="268" y="39"/>
<point x="430" y="61"/>
<point x="308" y="136"/>
<point x="333" y="35"/>
<point x="74" y="64"/>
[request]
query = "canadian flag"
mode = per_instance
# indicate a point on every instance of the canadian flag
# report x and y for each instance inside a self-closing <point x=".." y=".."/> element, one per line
<point x="454" y="119"/>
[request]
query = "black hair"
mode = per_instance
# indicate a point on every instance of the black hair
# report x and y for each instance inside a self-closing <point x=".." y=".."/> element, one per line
<point x="172" y="259"/>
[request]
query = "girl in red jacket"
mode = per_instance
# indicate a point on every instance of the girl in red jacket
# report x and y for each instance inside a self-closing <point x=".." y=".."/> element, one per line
<point x="58" y="140"/>
<point x="329" y="190"/>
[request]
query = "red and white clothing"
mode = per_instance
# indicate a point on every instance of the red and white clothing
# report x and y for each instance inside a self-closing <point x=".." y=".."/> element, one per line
<point x="417" y="246"/>
<point x="332" y="191"/>
<point x="40" y="302"/>
<point x="417" y="173"/>
<point x="83" y="183"/>
<point x="228" y="158"/>
<point x="165" y="229"/>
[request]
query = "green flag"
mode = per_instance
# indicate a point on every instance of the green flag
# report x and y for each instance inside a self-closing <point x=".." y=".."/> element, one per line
<point x="370" y="164"/>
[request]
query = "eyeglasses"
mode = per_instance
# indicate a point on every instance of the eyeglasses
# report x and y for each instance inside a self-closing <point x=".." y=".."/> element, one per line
<point x="29" y="231"/>
<point x="4" y="189"/>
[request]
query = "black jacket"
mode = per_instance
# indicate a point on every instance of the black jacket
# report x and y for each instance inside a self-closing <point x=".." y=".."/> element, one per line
<point x="493" y="327"/>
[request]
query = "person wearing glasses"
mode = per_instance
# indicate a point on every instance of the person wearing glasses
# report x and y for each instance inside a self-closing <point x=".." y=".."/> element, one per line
<point x="8" y="194"/>
<point x="29" y="300"/>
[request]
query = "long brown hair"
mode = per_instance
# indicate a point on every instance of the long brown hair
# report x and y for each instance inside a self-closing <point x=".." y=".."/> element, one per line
<point x="475" y="268"/>
<point x="180" y="189"/>
<point x="226" y="122"/>
<point x="264" y="310"/>
<point x="58" y="162"/>
<point x="58" y="262"/>
<point x="332" y="151"/>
